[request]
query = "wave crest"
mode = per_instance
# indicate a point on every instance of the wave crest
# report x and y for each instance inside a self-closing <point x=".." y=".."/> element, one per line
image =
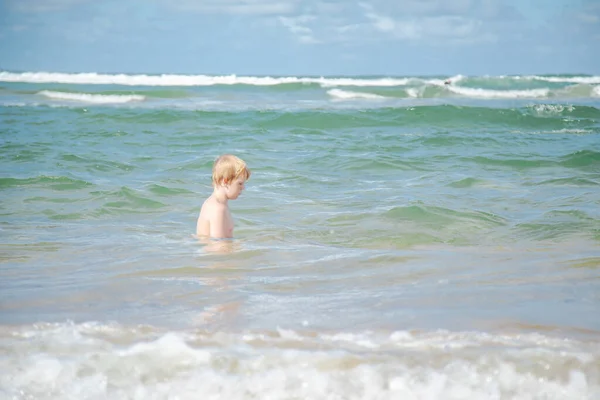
<point x="92" y="98"/>
<point x="340" y="94"/>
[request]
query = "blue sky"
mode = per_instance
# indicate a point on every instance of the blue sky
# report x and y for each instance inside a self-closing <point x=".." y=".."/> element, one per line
<point x="302" y="37"/>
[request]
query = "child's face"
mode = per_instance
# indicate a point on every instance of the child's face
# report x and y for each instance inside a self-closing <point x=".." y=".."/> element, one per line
<point x="235" y="188"/>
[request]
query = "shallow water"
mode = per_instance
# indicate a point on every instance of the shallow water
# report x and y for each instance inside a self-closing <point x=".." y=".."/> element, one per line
<point x="441" y="246"/>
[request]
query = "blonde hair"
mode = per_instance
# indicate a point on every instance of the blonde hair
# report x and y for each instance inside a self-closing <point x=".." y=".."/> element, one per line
<point x="229" y="167"/>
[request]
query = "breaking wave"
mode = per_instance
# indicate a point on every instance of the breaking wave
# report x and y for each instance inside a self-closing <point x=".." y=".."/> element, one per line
<point x="91" y="98"/>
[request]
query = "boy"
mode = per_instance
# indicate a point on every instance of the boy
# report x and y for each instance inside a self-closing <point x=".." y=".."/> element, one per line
<point x="229" y="175"/>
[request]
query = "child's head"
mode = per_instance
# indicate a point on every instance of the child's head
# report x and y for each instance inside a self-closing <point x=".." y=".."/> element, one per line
<point x="227" y="168"/>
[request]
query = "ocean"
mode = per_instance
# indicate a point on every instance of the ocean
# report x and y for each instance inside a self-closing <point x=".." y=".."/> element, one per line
<point x="399" y="238"/>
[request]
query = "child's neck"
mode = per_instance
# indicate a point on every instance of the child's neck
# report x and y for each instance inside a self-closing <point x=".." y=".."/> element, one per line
<point x="220" y="196"/>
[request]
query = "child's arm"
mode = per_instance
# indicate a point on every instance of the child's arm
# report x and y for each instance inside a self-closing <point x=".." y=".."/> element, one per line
<point x="218" y="226"/>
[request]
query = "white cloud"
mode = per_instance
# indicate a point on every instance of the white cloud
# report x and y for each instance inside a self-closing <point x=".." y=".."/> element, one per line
<point x="308" y="39"/>
<point x="443" y="27"/>
<point x="352" y="23"/>
<point x="382" y="23"/>
<point x="452" y="26"/>
<point x="249" y="7"/>
<point x="423" y="7"/>
<point x="433" y="22"/>
<point x="424" y="21"/>
<point x="297" y="27"/>
<point x="481" y="9"/>
<point x="400" y="29"/>
<point x="344" y="29"/>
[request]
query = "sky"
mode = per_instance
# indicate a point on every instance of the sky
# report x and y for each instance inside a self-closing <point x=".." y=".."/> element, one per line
<point x="302" y="37"/>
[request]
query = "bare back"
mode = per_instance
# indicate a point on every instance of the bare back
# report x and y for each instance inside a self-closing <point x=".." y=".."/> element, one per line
<point x="215" y="220"/>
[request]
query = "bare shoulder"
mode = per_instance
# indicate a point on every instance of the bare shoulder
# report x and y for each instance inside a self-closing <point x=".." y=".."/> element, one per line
<point x="214" y="220"/>
<point x="208" y="211"/>
<point x="211" y="208"/>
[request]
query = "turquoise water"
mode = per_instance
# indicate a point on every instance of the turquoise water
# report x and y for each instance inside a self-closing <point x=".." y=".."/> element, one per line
<point x="398" y="238"/>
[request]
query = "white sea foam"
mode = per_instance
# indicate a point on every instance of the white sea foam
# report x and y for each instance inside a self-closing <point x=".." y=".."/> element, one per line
<point x="205" y="80"/>
<point x="596" y="91"/>
<point x="414" y="92"/>
<point x="57" y="361"/>
<point x="551" y="109"/>
<point x="91" y="98"/>
<point x="139" y="80"/>
<point x="188" y="80"/>
<point x="340" y="94"/>
<point x="383" y="82"/>
<point x="456" y="78"/>
<point x="498" y="94"/>
<point x="590" y="80"/>
<point x="210" y="80"/>
<point x="567" y="130"/>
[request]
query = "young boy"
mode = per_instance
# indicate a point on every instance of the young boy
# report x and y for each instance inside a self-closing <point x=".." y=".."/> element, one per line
<point x="229" y="175"/>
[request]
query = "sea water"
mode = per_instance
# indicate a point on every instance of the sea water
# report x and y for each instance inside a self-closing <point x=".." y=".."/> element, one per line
<point x="399" y="238"/>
